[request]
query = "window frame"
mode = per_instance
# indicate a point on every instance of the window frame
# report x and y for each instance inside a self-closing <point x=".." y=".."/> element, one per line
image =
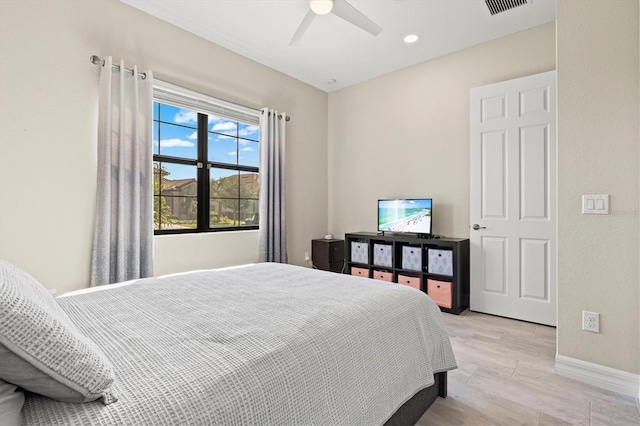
<point x="205" y="106"/>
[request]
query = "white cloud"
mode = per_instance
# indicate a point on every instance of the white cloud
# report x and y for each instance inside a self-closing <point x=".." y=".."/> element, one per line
<point x="185" y="116"/>
<point x="193" y="135"/>
<point x="248" y="130"/>
<point x="224" y="137"/>
<point x="247" y="149"/>
<point x="232" y="153"/>
<point x="222" y="126"/>
<point x="170" y="143"/>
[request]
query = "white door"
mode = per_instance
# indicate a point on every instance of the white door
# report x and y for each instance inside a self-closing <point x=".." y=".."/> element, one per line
<point x="513" y="198"/>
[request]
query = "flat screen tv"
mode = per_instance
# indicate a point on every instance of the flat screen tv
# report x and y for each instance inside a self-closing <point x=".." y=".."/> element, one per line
<point x="406" y="215"/>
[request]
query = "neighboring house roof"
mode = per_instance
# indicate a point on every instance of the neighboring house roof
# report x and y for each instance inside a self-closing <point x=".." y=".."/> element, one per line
<point x="182" y="185"/>
<point x="177" y="184"/>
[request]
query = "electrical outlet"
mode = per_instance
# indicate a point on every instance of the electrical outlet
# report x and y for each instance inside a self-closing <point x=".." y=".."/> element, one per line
<point x="591" y="321"/>
<point x="307" y="258"/>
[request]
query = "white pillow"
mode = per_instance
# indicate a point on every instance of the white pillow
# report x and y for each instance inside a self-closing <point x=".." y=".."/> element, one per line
<point x="11" y="402"/>
<point x="42" y="350"/>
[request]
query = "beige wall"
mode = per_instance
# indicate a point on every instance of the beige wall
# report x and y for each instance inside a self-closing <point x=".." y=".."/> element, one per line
<point x="48" y="103"/>
<point x="598" y="148"/>
<point x="406" y="134"/>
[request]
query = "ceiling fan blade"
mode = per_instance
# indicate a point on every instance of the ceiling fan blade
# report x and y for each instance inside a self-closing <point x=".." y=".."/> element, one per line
<point x="302" y="28"/>
<point x="350" y="14"/>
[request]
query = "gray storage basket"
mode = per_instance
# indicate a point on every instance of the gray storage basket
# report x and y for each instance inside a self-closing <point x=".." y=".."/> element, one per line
<point x="382" y="255"/>
<point x="440" y="262"/>
<point x="359" y="252"/>
<point x="412" y="258"/>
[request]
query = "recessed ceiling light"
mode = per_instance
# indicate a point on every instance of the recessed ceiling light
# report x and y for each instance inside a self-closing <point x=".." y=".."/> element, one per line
<point x="331" y="81"/>
<point x="411" y="38"/>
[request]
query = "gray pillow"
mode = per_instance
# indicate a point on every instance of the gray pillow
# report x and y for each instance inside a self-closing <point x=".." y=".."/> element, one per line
<point x="40" y="347"/>
<point x="11" y="402"/>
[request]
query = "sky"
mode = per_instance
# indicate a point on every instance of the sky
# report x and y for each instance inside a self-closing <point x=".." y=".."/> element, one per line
<point x="229" y="141"/>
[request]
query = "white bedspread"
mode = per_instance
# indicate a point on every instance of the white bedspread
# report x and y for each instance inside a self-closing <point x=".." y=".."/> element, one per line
<point x="269" y="344"/>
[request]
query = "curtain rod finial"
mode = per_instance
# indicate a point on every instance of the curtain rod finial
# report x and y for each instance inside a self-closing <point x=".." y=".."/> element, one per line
<point x="95" y="59"/>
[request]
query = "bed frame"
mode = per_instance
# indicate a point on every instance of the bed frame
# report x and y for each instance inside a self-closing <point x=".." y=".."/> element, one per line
<point x="411" y="411"/>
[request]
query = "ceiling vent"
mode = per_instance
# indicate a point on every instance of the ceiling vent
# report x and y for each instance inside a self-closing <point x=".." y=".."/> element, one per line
<point x="498" y="6"/>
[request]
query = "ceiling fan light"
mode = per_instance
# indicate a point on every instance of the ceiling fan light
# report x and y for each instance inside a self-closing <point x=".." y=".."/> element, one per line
<point x="321" y="7"/>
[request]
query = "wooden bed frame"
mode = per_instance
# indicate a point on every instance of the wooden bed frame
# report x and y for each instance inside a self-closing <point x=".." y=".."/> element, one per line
<point x="411" y="411"/>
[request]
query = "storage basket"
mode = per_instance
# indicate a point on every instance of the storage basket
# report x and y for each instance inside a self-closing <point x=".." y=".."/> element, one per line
<point x="359" y="252"/>
<point x="440" y="262"/>
<point x="412" y="258"/>
<point x="382" y="255"/>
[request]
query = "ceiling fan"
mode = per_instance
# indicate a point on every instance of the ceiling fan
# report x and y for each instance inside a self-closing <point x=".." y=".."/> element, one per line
<point x="339" y="8"/>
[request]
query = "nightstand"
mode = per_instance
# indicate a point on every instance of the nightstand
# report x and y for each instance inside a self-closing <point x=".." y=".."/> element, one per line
<point x="328" y="255"/>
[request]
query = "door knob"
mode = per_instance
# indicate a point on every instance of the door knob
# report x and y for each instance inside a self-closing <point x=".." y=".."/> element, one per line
<point x="476" y="227"/>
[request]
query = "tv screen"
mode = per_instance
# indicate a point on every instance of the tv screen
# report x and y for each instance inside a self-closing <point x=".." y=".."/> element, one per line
<point x="409" y="215"/>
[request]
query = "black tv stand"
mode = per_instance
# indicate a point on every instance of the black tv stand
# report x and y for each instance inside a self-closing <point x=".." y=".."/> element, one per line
<point x="408" y="234"/>
<point x="422" y="277"/>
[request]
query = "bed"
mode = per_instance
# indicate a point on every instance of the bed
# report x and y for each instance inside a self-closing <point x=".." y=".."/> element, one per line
<point x="261" y="344"/>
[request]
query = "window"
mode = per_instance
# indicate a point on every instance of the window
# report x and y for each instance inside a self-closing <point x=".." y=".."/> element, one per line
<point x="205" y="163"/>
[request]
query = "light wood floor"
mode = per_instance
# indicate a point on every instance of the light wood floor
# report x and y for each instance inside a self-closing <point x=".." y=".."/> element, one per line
<point x="505" y="376"/>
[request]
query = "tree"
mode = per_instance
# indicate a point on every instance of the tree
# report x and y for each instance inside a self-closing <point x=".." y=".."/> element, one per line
<point x="227" y="190"/>
<point x="162" y="215"/>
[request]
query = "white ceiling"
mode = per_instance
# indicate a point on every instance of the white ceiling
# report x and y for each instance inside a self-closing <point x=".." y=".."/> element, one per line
<point x="333" y="48"/>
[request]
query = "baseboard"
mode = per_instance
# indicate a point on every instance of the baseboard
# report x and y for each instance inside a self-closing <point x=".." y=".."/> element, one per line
<point x="598" y="375"/>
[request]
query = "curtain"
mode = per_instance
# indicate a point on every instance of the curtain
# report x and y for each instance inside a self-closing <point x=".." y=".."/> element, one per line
<point x="123" y="235"/>
<point x="272" y="187"/>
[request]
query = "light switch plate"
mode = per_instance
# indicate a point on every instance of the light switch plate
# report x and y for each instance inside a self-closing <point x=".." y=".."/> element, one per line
<point x="595" y="204"/>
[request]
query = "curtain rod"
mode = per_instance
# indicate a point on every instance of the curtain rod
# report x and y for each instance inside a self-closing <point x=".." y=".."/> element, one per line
<point x="95" y="59"/>
<point x="286" y="117"/>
